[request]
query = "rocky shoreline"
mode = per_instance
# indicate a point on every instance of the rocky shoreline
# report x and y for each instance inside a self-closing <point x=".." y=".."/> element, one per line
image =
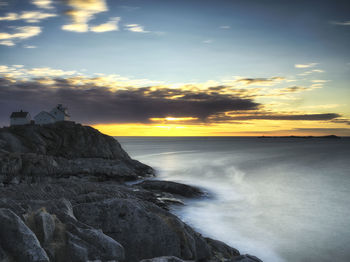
<point x="63" y="197"/>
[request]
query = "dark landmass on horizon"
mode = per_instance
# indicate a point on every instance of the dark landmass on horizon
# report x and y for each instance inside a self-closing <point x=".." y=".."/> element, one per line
<point x="304" y="137"/>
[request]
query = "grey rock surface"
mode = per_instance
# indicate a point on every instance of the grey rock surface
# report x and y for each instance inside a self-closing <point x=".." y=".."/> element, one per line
<point x="148" y="231"/>
<point x="18" y="240"/>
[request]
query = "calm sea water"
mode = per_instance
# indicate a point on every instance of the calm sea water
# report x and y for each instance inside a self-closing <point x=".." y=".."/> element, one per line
<point x="279" y="199"/>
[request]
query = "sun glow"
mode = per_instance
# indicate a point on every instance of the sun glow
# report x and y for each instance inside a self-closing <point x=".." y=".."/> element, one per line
<point x="169" y="118"/>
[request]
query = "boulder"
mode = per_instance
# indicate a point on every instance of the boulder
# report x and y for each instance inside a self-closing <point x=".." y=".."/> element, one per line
<point x="143" y="229"/>
<point x="18" y="240"/>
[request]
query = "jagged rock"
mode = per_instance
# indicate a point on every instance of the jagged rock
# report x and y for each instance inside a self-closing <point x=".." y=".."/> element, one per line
<point x="163" y="259"/>
<point x="69" y="239"/>
<point x="18" y="240"/>
<point x="171" y="187"/>
<point x="144" y="229"/>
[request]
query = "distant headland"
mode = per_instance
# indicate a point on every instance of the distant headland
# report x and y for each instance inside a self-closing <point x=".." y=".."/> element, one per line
<point x="303" y="137"/>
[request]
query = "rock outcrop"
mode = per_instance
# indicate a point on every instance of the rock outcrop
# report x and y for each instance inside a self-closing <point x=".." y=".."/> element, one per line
<point x="33" y="152"/>
<point x="63" y="200"/>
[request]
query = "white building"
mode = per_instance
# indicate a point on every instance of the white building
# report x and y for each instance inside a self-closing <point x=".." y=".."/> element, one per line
<point x="60" y="113"/>
<point x="20" y="118"/>
<point x="44" y="118"/>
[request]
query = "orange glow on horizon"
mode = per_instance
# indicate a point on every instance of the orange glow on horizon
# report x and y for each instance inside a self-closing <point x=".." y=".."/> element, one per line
<point x="251" y="128"/>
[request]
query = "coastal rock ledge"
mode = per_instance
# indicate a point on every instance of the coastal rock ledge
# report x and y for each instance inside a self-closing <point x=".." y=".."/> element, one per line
<point x="63" y="198"/>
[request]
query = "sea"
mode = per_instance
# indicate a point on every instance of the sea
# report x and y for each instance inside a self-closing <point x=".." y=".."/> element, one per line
<point x="280" y="199"/>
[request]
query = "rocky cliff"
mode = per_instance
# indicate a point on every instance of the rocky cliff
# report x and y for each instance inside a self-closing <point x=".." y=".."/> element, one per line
<point x="62" y="199"/>
<point x="64" y="149"/>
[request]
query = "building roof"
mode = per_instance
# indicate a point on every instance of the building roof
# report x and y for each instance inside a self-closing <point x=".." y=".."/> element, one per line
<point x="19" y="114"/>
<point x="46" y="113"/>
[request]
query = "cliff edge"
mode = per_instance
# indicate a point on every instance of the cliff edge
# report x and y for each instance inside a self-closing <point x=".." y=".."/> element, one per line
<point x="64" y="149"/>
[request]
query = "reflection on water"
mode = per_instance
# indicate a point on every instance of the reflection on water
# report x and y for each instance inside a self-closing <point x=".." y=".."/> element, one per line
<point x="279" y="199"/>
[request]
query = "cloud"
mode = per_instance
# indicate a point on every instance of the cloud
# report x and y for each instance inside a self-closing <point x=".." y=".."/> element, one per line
<point x="274" y="116"/>
<point x="123" y="100"/>
<point x="344" y="23"/>
<point x="311" y="72"/>
<point x="324" y="106"/>
<point x="305" y="65"/>
<point x="81" y="12"/>
<point x="225" y="27"/>
<point x="30" y="46"/>
<point x="319" y="81"/>
<point x="9" y="17"/>
<point x="35" y="16"/>
<point x="122" y="105"/>
<point x="27" y="16"/>
<point x="111" y="25"/>
<point x="7" y="42"/>
<point x="208" y="41"/>
<point x="260" y="81"/>
<point x="135" y="28"/>
<point x="80" y="28"/>
<point x="22" y="32"/>
<point x="45" y="4"/>
<point x="46" y="71"/>
<point x="341" y="121"/>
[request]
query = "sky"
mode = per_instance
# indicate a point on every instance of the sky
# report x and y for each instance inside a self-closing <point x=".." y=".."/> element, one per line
<point x="180" y="68"/>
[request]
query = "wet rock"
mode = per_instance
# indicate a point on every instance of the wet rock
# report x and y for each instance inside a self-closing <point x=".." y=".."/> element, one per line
<point x="18" y="240"/>
<point x="171" y="187"/>
<point x="221" y="250"/>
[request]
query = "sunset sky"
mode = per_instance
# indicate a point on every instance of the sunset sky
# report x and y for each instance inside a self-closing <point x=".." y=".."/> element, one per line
<point x="185" y="67"/>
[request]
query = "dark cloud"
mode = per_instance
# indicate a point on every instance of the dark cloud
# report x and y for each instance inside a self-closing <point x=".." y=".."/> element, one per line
<point x="259" y="81"/>
<point x="310" y="117"/>
<point x="273" y="116"/>
<point x="90" y="104"/>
